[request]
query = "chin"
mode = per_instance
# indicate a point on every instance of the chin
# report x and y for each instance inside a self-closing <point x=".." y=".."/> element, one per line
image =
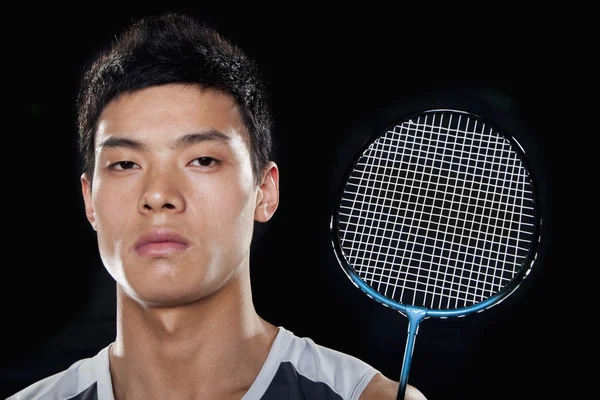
<point x="158" y="290"/>
<point x="164" y="297"/>
<point x="165" y="283"/>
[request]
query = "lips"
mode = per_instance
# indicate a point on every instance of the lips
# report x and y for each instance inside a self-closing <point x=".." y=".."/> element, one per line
<point x="160" y="242"/>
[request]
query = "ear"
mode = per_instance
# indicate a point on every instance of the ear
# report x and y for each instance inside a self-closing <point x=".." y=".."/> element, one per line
<point x="86" y="191"/>
<point x="267" y="198"/>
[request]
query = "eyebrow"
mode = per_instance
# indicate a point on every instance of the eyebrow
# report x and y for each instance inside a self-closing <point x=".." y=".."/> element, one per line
<point x="182" y="141"/>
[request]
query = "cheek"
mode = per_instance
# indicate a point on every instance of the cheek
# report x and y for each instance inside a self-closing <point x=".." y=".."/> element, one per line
<point x="111" y="216"/>
<point x="232" y="206"/>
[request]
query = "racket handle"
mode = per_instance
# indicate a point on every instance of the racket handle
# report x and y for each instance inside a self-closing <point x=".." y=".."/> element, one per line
<point x="415" y="316"/>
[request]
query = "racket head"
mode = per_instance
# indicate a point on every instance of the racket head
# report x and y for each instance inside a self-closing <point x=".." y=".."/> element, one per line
<point x="339" y="224"/>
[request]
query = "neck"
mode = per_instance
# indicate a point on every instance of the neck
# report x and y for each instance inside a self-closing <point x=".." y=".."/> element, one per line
<point x="214" y="347"/>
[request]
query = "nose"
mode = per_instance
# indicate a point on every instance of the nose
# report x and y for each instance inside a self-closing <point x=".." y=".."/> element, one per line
<point x="161" y="194"/>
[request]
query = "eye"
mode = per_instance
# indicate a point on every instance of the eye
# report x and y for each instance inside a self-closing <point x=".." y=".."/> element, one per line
<point x="203" y="161"/>
<point x="123" y="165"/>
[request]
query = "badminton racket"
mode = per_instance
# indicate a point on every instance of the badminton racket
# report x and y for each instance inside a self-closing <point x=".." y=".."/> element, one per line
<point x="438" y="216"/>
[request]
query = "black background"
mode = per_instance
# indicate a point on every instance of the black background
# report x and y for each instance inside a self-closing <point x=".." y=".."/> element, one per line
<point x="335" y="78"/>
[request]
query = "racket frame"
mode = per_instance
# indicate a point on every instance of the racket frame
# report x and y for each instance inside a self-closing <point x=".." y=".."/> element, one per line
<point x="417" y="314"/>
<point x="458" y="312"/>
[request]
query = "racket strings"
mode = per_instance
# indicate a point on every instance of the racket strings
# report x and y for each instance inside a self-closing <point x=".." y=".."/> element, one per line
<point x="437" y="213"/>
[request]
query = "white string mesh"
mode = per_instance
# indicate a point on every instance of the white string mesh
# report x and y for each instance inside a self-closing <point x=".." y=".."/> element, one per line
<point x="438" y="212"/>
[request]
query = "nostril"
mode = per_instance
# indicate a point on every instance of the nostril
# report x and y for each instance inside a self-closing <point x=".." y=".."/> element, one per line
<point x="168" y="206"/>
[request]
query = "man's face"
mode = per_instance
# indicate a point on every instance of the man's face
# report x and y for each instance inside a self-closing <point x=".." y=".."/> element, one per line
<point x="173" y="198"/>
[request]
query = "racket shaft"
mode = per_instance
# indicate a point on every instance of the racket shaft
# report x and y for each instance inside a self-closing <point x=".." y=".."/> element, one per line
<point x="415" y="316"/>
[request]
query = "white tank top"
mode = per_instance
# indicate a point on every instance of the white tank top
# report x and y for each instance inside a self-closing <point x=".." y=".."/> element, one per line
<point x="296" y="369"/>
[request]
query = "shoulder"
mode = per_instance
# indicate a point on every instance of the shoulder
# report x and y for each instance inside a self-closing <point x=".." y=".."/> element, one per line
<point x="383" y="388"/>
<point x="85" y="378"/>
<point x="60" y="382"/>
<point x="306" y="353"/>
<point x="346" y="375"/>
<point x="318" y="365"/>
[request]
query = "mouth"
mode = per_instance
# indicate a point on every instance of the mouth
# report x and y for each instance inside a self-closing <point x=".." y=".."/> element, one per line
<point x="160" y="243"/>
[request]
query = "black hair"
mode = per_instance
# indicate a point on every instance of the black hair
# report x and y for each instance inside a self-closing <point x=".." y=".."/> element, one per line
<point x="174" y="48"/>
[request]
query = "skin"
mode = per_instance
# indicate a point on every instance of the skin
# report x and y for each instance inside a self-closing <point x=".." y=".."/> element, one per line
<point x="186" y="324"/>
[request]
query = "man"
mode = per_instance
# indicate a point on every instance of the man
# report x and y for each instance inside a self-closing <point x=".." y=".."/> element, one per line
<point x="175" y="138"/>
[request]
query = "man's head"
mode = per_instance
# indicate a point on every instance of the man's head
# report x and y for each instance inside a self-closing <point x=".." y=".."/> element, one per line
<point x="176" y="135"/>
<point x="174" y="49"/>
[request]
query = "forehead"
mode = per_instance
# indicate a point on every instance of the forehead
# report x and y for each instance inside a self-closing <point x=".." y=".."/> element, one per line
<point x="160" y="114"/>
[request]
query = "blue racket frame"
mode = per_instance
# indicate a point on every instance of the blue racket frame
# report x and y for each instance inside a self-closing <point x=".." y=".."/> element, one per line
<point x="417" y="314"/>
